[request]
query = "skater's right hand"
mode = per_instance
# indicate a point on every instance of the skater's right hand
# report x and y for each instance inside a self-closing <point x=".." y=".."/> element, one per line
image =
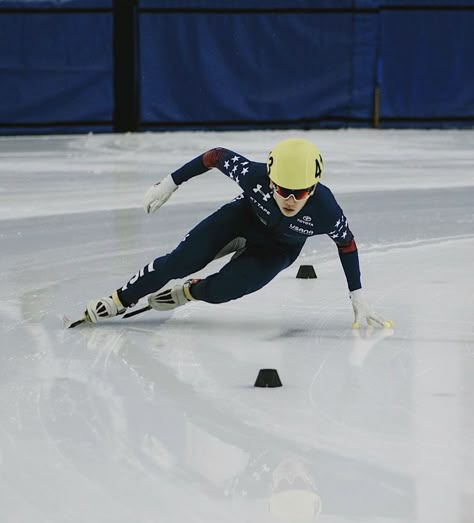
<point x="157" y="195"/>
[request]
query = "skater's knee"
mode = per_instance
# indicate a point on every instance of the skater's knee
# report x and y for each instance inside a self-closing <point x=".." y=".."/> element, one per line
<point x="213" y="290"/>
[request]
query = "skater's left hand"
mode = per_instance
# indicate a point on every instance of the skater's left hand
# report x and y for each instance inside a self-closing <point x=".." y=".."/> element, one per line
<point x="363" y="311"/>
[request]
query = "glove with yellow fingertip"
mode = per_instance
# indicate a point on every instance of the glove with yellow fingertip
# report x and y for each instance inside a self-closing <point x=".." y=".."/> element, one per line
<point x="363" y="311"/>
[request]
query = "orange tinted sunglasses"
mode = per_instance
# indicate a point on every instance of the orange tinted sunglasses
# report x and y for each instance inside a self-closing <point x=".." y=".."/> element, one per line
<point x="298" y="194"/>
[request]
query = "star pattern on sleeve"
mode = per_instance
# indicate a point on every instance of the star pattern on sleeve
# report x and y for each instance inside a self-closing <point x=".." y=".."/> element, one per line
<point x="235" y="169"/>
<point x="340" y="230"/>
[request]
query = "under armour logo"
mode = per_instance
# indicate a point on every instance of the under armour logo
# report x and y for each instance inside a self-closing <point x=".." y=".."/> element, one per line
<point x="258" y="189"/>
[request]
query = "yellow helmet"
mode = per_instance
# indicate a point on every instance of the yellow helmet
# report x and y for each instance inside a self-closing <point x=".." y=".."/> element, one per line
<point x="295" y="163"/>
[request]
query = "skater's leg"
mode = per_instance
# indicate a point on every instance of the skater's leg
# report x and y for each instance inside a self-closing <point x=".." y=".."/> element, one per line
<point x="198" y="248"/>
<point x="237" y="246"/>
<point x="247" y="273"/>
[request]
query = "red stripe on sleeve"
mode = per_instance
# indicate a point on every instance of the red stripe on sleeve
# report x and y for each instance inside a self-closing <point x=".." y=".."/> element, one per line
<point x="348" y="247"/>
<point x="211" y="158"/>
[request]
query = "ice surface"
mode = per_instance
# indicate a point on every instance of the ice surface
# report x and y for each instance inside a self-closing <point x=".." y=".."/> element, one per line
<point x="155" y="418"/>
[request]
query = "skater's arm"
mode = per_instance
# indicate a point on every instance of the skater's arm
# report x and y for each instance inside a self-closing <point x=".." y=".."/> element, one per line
<point x="347" y="249"/>
<point x="228" y="162"/>
<point x="350" y="263"/>
<point x="159" y="193"/>
<point x="349" y="256"/>
<point x="190" y="169"/>
<point x="338" y="230"/>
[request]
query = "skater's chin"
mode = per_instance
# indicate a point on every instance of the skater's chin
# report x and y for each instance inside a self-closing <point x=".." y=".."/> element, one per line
<point x="288" y="212"/>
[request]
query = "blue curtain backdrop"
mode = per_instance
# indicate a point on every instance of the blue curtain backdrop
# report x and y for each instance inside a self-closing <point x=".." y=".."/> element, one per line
<point x="240" y="63"/>
<point x="429" y="73"/>
<point x="250" y="67"/>
<point x="55" y="65"/>
<point x="313" y="64"/>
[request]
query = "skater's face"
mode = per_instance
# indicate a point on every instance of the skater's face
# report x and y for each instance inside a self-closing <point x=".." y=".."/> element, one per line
<point x="287" y="201"/>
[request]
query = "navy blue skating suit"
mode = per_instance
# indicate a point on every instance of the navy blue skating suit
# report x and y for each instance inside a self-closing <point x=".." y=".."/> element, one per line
<point x="272" y="241"/>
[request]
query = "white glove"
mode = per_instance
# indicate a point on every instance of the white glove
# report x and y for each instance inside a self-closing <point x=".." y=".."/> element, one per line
<point x="171" y="298"/>
<point x="363" y="311"/>
<point x="157" y="195"/>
